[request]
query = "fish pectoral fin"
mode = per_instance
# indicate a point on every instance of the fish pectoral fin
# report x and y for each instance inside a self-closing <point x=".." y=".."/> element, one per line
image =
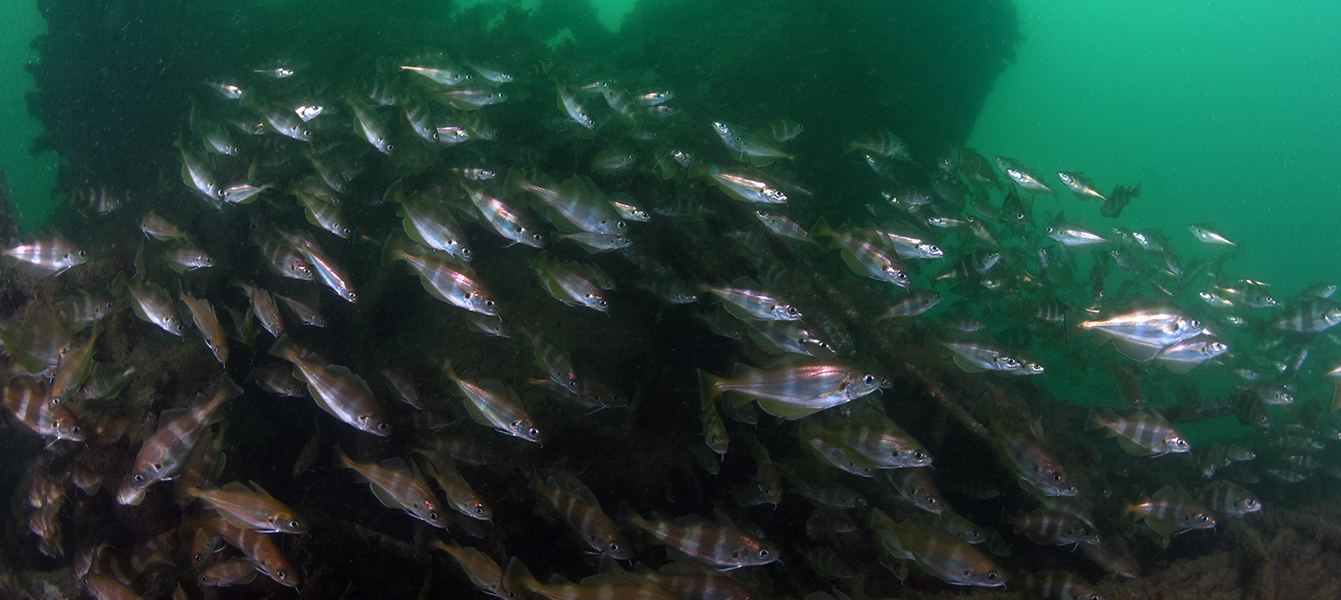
<point x="1135" y="350"/>
<point x="967" y="365"/>
<point x="786" y="411"/>
<point x="387" y="499"/>
<point x="1132" y="447"/>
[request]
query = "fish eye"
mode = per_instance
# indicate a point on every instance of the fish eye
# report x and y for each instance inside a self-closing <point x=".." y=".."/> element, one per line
<point x="465" y="253"/>
<point x="489" y="303"/>
<point x="534" y="432"/>
<point x="614" y="547"/>
<point x="352" y="297"/>
<point x="479" y="510"/>
<point x="791" y="310"/>
<point x="1056" y="477"/>
<point x="764" y="553"/>
<point x="1204" y="518"/>
<point x="281" y="575"/>
<point x="620" y="225"/>
<point x="868" y="379"/>
<point x="432" y="516"/>
<point x="933" y="501"/>
<point x="992" y="576"/>
<point x="383" y="427"/>
<point x="139" y="479"/>
<point x="294" y="524"/>
<point x="918" y="454"/>
<point x="536" y="237"/>
<point x="75" y="429"/>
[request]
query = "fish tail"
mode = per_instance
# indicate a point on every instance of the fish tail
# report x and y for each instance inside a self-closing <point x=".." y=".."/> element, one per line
<point x="393" y="249"/>
<point x="708" y="387"/>
<point x="517" y="577"/>
<point x="821" y="228"/>
<point x="1095" y="420"/>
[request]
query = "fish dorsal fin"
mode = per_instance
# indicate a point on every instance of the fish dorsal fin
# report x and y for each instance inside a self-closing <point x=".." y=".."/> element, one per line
<point x="237" y="487"/>
<point x="786" y="359"/>
<point x="557" y="579"/>
<point x="722" y="518"/>
<point x="685" y="521"/>
<point x="590" y="498"/>
<point x="170" y="415"/>
<point x="1164" y="493"/>
<point x="261" y="491"/>
<point x="397" y="463"/>
<point x="746" y="282"/>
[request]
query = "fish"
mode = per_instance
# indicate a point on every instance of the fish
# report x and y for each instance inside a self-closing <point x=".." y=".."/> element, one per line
<point x="866" y="254"/>
<point x="46" y="257"/>
<point x="482" y="570"/>
<point x="237" y="571"/>
<point x="1058" y="585"/>
<point x="429" y="223"/>
<point x="505" y="219"/>
<point x="1145" y="433"/>
<point x="202" y="314"/>
<point x="164" y="454"/>
<point x="794" y="389"/>
<point x="1048" y="527"/>
<point x="606" y="586"/>
<point x="570" y="283"/>
<point x="1229" y="500"/>
<point x="694" y="539"/>
<point x="1141" y="330"/>
<point x="747" y="184"/>
<point x="397" y="485"/>
<point x="250" y="508"/>
<point x="30" y="403"/>
<point x="745" y="299"/>
<point x="1209" y="234"/>
<point x="458" y="492"/>
<point x="257" y="548"/>
<point x="493" y="404"/>
<point x="882" y="143"/>
<point x="571" y="107"/>
<point x="335" y="388"/>
<point x="1081" y="186"/>
<point x="263" y="307"/>
<point x="150" y="302"/>
<point x="444" y="277"/>
<point x="1024" y="452"/>
<point x="940" y="555"/>
<point x="912" y="304"/>
<point x="1170" y="512"/>
<point x="580" y="509"/>
<point x="1026" y="178"/>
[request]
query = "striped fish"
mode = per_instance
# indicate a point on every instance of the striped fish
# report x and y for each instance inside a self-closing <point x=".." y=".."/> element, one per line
<point x="32" y="405"/>
<point x="582" y="512"/>
<point x="694" y="539"/>
<point x="258" y="549"/>
<point x="251" y="508"/>
<point x="335" y="388"/>
<point x="1142" y="434"/>
<point x="940" y="555"/>
<point x="163" y="455"/>
<point x="492" y="403"/>
<point x="397" y="486"/>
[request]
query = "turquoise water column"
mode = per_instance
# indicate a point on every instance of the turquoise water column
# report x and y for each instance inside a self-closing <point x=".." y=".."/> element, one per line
<point x="30" y="177"/>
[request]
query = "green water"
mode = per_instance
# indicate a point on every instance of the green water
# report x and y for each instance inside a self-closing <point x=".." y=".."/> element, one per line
<point x="30" y="178"/>
<point x="1225" y="112"/>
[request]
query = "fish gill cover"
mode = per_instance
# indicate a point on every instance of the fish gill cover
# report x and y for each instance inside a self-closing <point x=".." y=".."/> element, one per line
<point x="392" y="299"/>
